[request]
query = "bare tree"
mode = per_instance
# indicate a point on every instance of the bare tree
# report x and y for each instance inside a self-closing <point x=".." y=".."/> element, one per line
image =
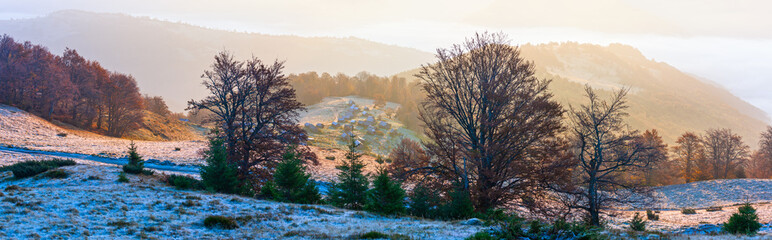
<point x="760" y="164"/>
<point x="605" y="149"/>
<point x="725" y="152"/>
<point x="690" y="153"/>
<point x="492" y="123"/>
<point x="123" y="104"/>
<point x="256" y="109"/>
<point x="660" y="170"/>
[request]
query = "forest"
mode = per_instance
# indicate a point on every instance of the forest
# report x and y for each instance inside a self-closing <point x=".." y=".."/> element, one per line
<point x="69" y="88"/>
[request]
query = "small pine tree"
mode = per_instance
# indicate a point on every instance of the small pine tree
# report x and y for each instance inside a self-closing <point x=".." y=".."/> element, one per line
<point x="387" y="196"/>
<point x="423" y="203"/>
<point x="744" y="222"/>
<point x="291" y="183"/>
<point x="638" y="224"/>
<point x="218" y="175"/>
<point x="350" y="190"/>
<point x="460" y="205"/>
<point x="135" y="165"/>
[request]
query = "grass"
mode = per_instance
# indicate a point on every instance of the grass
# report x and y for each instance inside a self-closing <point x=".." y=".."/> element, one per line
<point x="31" y="168"/>
<point x="220" y="222"/>
<point x="688" y="211"/>
<point x="380" y="235"/>
<point x="56" y="174"/>
<point x="184" y="182"/>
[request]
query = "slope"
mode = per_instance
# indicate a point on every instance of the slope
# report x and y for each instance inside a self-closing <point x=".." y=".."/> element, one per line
<point x="661" y="97"/>
<point x="168" y="59"/>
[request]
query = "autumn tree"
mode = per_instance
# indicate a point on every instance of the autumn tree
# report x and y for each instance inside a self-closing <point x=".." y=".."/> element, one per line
<point x="157" y="105"/>
<point x="725" y="152"/>
<point x="123" y="104"/>
<point x="690" y="155"/>
<point x="492" y="123"/>
<point x="660" y="170"/>
<point x="256" y="110"/>
<point x="605" y="149"/>
<point x="760" y="163"/>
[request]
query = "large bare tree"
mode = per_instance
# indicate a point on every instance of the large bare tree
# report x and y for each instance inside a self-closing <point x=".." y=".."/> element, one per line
<point x="494" y="125"/>
<point x="257" y="111"/>
<point x="725" y="151"/>
<point x="760" y="164"/>
<point x="605" y="150"/>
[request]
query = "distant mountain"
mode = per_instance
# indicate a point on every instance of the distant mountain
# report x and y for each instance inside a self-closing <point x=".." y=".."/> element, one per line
<point x="167" y="59"/>
<point x="661" y="97"/>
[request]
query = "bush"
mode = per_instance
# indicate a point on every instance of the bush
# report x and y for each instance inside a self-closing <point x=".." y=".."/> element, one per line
<point x="220" y="222"/>
<point x="688" y="211"/>
<point x="423" y="202"/>
<point x="218" y="175"/>
<point x="184" y="182"/>
<point x="31" y="168"/>
<point x="331" y="158"/>
<point x="651" y="215"/>
<point x="61" y="134"/>
<point x="460" y="205"/>
<point x="56" y="173"/>
<point x="387" y="196"/>
<point x="291" y="183"/>
<point x="714" y="209"/>
<point x="511" y="227"/>
<point x="135" y="165"/>
<point x="744" y="222"/>
<point x="351" y="188"/>
<point x="638" y="224"/>
<point x="122" y="177"/>
<point x="374" y="235"/>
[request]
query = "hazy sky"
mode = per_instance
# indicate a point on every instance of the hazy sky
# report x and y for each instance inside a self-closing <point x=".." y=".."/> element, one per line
<point x="728" y="42"/>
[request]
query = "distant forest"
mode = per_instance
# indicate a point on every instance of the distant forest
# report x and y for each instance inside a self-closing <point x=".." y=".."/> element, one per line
<point x="311" y="88"/>
<point x="68" y="88"/>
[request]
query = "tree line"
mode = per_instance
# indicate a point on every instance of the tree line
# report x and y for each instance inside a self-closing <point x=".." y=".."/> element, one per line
<point x="68" y="88"/>
<point x="497" y="140"/>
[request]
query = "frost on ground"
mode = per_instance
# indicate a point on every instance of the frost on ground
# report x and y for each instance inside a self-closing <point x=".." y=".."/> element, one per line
<point x="92" y="204"/>
<point x="21" y="129"/>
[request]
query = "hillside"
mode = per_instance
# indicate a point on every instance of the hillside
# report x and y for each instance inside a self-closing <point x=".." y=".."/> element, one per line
<point x="167" y="59"/>
<point x="661" y="97"/>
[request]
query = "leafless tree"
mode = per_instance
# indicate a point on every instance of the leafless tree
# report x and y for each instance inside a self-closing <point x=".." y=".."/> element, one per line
<point x="493" y="124"/>
<point x="725" y="151"/>
<point x="256" y="109"/>
<point x="123" y="104"/>
<point x="605" y="149"/>
<point x="690" y="153"/>
<point x="760" y="164"/>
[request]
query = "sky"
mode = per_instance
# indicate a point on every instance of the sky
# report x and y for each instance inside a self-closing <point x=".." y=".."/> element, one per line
<point x="727" y="42"/>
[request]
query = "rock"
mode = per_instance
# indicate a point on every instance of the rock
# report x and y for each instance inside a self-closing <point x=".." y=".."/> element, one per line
<point x="473" y="222"/>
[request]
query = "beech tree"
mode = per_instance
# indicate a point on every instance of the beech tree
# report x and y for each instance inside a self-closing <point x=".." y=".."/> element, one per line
<point x="256" y="109"/>
<point x="605" y="149"/>
<point x="690" y="153"/>
<point x="493" y="125"/>
<point x="725" y="151"/>
<point x="123" y="104"/>
<point x="760" y="164"/>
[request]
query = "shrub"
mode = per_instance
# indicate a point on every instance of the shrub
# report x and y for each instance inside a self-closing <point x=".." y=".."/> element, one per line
<point x="423" y="202"/>
<point x="291" y="183"/>
<point x="184" y="182"/>
<point x="31" y="168"/>
<point x="177" y="149"/>
<point x="714" y="209"/>
<point x="373" y="235"/>
<point x="387" y="196"/>
<point x="218" y="175"/>
<point x="220" y="222"/>
<point x="351" y="188"/>
<point x="56" y="173"/>
<point x="638" y="224"/>
<point x="460" y="205"/>
<point x="135" y="165"/>
<point x="61" y="134"/>
<point x="651" y="215"/>
<point x="688" y="211"/>
<point x="511" y="227"/>
<point x="122" y="177"/>
<point x="744" y="222"/>
<point x="331" y="158"/>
